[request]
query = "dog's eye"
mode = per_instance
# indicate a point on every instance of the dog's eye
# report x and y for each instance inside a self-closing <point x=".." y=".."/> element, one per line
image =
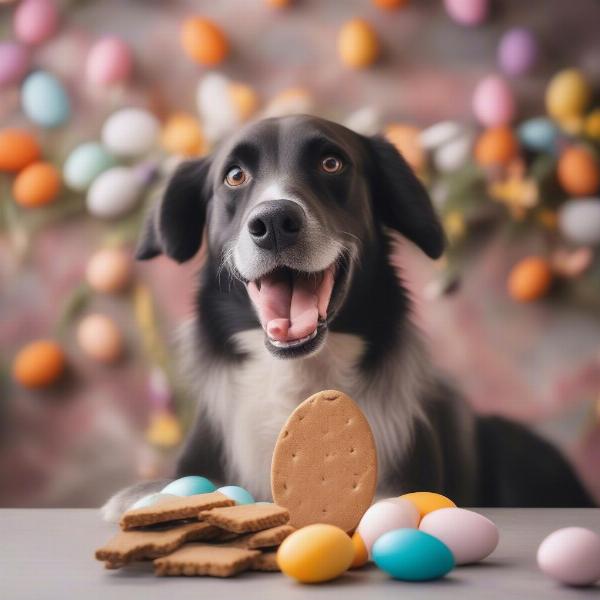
<point x="236" y="176"/>
<point x="332" y="165"/>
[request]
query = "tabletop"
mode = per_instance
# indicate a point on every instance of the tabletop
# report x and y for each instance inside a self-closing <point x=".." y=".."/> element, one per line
<point x="49" y="554"/>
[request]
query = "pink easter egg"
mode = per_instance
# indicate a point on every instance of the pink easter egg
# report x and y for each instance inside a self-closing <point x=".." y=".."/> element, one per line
<point x="109" y="61"/>
<point x="35" y="21"/>
<point x="467" y="12"/>
<point x="14" y="62"/>
<point x="517" y="51"/>
<point x="493" y="102"/>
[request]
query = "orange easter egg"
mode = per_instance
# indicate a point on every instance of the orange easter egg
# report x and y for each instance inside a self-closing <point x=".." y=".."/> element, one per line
<point x="530" y="279"/>
<point x="407" y="140"/>
<point x="18" y="148"/>
<point x="39" y="364"/>
<point x="390" y="4"/>
<point x="496" y="146"/>
<point x="578" y="171"/>
<point x="244" y="98"/>
<point x="204" y="41"/>
<point x="182" y="135"/>
<point x="361" y="554"/>
<point x="278" y="3"/>
<point x="100" y="338"/>
<point x="358" y="45"/>
<point x="36" y="185"/>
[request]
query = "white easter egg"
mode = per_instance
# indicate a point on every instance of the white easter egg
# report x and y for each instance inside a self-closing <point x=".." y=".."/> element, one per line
<point x="215" y="105"/>
<point x="366" y="121"/>
<point x="130" y="132"/>
<point x="579" y="221"/>
<point x="440" y="133"/>
<point x="84" y="164"/>
<point x="114" y="193"/>
<point x="453" y="155"/>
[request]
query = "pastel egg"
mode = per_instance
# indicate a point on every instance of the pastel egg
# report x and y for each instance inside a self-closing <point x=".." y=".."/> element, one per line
<point x="238" y="494"/>
<point x="109" y="270"/>
<point x="450" y="144"/>
<point x="427" y="502"/>
<point x="151" y="500"/>
<point x="578" y="171"/>
<point x="44" y="100"/>
<point x="35" y="21"/>
<point x="84" y="164"/>
<point x="358" y="44"/>
<point x="530" y="279"/>
<point x="467" y="12"/>
<point x="470" y="536"/>
<point x="385" y="516"/>
<point x="406" y="139"/>
<point x="109" y="61"/>
<point x="316" y="553"/>
<point x="496" y="146"/>
<point x="591" y="125"/>
<point x="517" y="51"/>
<point x="164" y="430"/>
<point x="36" y="185"/>
<point x="204" y="41"/>
<point x="579" y="221"/>
<point x="14" y="62"/>
<point x="493" y="102"/>
<point x="18" y="148"/>
<point x="361" y="554"/>
<point x="39" y="364"/>
<point x="571" y="556"/>
<point x="412" y="555"/>
<point x="100" y="338"/>
<point x="189" y="485"/>
<point x="539" y="134"/>
<point x="113" y="193"/>
<point x="567" y="95"/>
<point x="182" y="135"/>
<point x="130" y="132"/>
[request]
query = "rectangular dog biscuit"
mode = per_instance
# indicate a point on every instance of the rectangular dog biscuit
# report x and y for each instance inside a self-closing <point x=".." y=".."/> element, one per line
<point x="203" y="559"/>
<point x="267" y="538"/>
<point x="266" y="561"/>
<point x="185" y="507"/>
<point x="245" y="518"/>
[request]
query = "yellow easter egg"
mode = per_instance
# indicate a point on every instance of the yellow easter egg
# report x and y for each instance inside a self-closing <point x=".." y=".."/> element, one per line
<point x="530" y="279"/>
<point x="427" y="502"/>
<point x="316" y="553"/>
<point x="164" y="430"/>
<point x="39" y="364"/>
<point x="407" y="140"/>
<point x="244" y="99"/>
<point x="358" y="45"/>
<point x="591" y="125"/>
<point x="100" y="338"/>
<point x="182" y="135"/>
<point x="361" y="554"/>
<point x="567" y="94"/>
<point x="109" y="270"/>
<point x="578" y="171"/>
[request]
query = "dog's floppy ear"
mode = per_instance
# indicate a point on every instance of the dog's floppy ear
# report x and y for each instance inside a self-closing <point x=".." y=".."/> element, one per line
<point x="174" y="226"/>
<point x="400" y="200"/>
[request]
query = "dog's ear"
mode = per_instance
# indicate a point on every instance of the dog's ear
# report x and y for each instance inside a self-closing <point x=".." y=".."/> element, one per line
<point x="174" y="226"/>
<point x="400" y="200"/>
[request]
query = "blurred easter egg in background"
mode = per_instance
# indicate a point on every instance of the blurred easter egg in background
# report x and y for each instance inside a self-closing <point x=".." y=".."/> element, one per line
<point x="427" y="502"/>
<point x="579" y="221"/>
<point x="244" y="98"/>
<point x="496" y="146"/>
<point x="100" y="338"/>
<point x="567" y="95"/>
<point x="39" y="364"/>
<point x="182" y="135"/>
<point x="151" y="500"/>
<point x="35" y="21"/>
<point x="467" y="12"/>
<point x="114" y="193"/>
<point x="14" y="63"/>
<point x="530" y="279"/>
<point x="84" y="164"/>
<point x="406" y="139"/>
<point x="238" y="494"/>
<point x="109" y="270"/>
<point x="130" y="132"/>
<point x="36" y="185"/>
<point x="578" y="171"/>
<point x="449" y="144"/>
<point x="591" y="125"/>
<point x="493" y="102"/>
<point x="517" y="51"/>
<point x="45" y="100"/>
<point x="204" y="41"/>
<point x="189" y="485"/>
<point x="18" y="148"/>
<point x="164" y="430"/>
<point x="390" y="4"/>
<point x="358" y="44"/>
<point x="109" y="61"/>
<point x="539" y="134"/>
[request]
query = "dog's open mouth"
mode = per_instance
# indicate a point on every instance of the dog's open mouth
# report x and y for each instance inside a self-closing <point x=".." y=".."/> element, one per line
<point x="292" y="305"/>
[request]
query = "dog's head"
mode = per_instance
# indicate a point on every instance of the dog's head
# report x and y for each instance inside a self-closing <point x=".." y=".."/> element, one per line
<point x="288" y="205"/>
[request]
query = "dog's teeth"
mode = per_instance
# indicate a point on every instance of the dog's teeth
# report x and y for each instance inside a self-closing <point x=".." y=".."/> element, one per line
<point x="293" y="343"/>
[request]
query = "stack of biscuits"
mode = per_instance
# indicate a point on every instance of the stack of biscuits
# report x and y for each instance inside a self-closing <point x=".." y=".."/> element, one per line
<point x="206" y="534"/>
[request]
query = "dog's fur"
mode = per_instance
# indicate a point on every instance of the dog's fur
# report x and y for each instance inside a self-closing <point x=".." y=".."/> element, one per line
<point x="427" y="438"/>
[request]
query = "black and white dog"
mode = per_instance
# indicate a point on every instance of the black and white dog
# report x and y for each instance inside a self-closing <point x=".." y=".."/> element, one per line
<point x="297" y="295"/>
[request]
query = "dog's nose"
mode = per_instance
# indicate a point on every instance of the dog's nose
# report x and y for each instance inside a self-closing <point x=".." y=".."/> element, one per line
<point x="276" y="224"/>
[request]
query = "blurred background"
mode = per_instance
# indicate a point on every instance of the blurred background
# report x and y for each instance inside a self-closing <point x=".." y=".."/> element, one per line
<point x="494" y="103"/>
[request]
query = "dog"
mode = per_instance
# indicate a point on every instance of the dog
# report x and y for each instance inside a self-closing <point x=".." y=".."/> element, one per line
<point x="297" y="294"/>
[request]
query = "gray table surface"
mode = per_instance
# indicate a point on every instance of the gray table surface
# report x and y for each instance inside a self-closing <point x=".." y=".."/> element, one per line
<point x="49" y="554"/>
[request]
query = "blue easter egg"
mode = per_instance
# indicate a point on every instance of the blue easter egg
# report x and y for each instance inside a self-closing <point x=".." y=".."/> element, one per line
<point x="238" y="494"/>
<point x="188" y="486"/>
<point x="44" y="100"/>
<point x="412" y="555"/>
<point x="84" y="164"/>
<point x="539" y="134"/>
<point x="151" y="500"/>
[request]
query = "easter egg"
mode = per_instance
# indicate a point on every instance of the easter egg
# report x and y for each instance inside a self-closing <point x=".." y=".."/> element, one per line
<point x="567" y="95"/>
<point x="109" y="61"/>
<point x="406" y="139"/>
<point x="412" y="555"/>
<point x="44" y="100"/>
<point x="539" y="134"/>
<point x="385" y="516"/>
<point x="14" y="62"/>
<point x="578" y="171"/>
<point x="390" y="4"/>
<point x="427" y="502"/>
<point x="467" y="12"/>
<point x="496" y="146"/>
<point x="291" y="101"/>
<point x="182" y="135"/>
<point x="470" y="536"/>
<point x="530" y="279"/>
<point x="39" y="364"/>
<point x="571" y="556"/>
<point x="130" y="132"/>
<point x="113" y="193"/>
<point x="366" y="121"/>
<point x="188" y="486"/>
<point x="244" y="99"/>
<point x="316" y="553"/>
<point x="35" y="21"/>
<point x="358" y="45"/>
<point x="36" y="185"/>
<point x="493" y="102"/>
<point x="450" y="144"/>
<point x="238" y="494"/>
<point x="18" y="148"/>
<point x="278" y="3"/>
<point x="204" y="41"/>
<point x="579" y="221"/>
<point x="164" y="430"/>
<point x="84" y="164"/>
<point x="592" y="125"/>
<point x="100" y="338"/>
<point x="361" y="554"/>
<point x="109" y="270"/>
<point x="517" y="51"/>
<point x="151" y="500"/>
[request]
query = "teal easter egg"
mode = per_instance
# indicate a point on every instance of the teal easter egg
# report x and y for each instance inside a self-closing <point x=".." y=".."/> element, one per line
<point x="152" y="499"/>
<point x="412" y="555"/>
<point x="44" y="100"/>
<point x="238" y="494"/>
<point x="188" y="486"/>
<point x="84" y="164"/>
<point x="539" y="134"/>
